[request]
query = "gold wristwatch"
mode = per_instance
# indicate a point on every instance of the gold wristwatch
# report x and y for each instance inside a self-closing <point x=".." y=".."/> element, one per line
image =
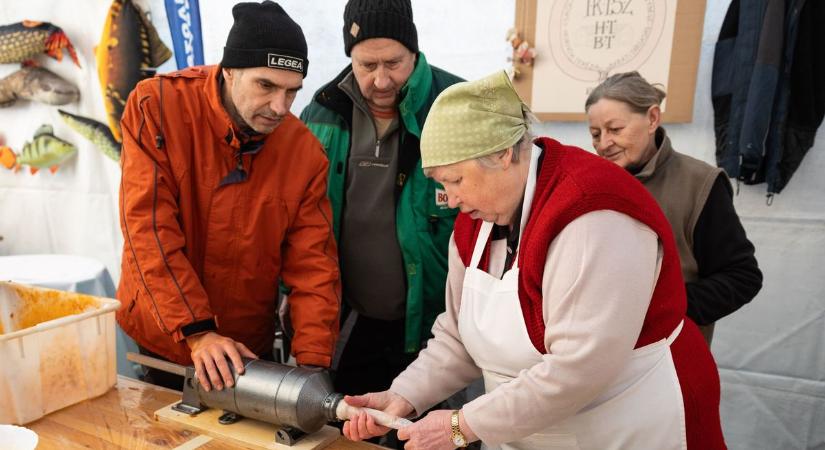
<point x="457" y="436"/>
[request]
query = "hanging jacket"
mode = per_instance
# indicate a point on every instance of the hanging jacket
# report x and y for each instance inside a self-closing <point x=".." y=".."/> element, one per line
<point x="211" y="220"/>
<point x="767" y="89"/>
<point x="423" y="223"/>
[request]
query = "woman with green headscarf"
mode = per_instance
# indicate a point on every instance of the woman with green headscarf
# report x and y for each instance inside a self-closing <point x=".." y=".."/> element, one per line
<point x="564" y="294"/>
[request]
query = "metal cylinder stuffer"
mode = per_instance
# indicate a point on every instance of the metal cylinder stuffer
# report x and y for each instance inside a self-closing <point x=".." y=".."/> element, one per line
<point x="295" y="399"/>
<point x="275" y="393"/>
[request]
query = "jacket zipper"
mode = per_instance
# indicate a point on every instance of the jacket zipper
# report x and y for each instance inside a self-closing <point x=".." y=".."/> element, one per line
<point x="377" y="147"/>
<point x="239" y="157"/>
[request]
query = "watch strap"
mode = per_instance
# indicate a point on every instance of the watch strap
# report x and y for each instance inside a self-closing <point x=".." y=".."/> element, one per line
<point x="456" y="435"/>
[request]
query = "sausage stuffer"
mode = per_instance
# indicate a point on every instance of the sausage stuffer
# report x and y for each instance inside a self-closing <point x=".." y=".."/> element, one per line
<point x="299" y="401"/>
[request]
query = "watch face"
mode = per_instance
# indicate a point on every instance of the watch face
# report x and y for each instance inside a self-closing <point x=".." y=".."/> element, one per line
<point x="458" y="441"/>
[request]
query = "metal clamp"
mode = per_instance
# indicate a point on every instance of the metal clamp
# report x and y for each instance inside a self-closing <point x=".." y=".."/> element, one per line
<point x="289" y="436"/>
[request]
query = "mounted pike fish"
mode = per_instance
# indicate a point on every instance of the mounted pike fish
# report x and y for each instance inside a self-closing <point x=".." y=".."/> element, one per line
<point x="36" y="84"/>
<point x="129" y="48"/>
<point x="22" y="41"/>
<point x="44" y="151"/>
<point x="98" y="133"/>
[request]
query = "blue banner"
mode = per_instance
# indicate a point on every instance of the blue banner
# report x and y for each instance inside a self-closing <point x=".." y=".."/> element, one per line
<point x="185" y="25"/>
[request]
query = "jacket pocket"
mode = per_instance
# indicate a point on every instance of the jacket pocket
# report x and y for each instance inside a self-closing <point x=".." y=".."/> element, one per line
<point x="133" y="302"/>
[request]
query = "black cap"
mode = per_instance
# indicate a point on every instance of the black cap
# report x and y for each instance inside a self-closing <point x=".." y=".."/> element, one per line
<point x="263" y="35"/>
<point x="367" y="19"/>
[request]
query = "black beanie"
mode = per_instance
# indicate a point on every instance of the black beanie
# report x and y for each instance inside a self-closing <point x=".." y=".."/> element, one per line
<point x="367" y="19"/>
<point x="263" y="35"/>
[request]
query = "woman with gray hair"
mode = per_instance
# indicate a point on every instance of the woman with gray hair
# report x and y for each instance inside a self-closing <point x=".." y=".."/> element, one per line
<point x="717" y="259"/>
<point x="564" y="294"/>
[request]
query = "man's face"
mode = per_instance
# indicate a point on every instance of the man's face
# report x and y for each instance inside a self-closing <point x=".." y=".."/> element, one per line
<point x="381" y="67"/>
<point x="261" y="96"/>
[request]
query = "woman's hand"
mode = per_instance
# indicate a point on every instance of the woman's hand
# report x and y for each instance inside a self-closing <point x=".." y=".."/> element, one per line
<point x="434" y="432"/>
<point x="362" y="426"/>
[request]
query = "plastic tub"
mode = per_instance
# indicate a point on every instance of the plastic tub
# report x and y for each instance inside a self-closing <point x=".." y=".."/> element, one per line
<point x="56" y="349"/>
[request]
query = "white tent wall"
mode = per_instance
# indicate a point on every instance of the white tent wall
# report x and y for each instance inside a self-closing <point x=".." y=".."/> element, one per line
<point x="770" y="354"/>
<point x="73" y="211"/>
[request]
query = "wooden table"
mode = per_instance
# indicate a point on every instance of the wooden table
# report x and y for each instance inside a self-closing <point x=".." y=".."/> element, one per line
<point x="124" y="418"/>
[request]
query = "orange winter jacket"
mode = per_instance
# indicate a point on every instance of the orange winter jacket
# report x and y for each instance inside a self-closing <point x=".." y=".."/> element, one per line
<point x="205" y="251"/>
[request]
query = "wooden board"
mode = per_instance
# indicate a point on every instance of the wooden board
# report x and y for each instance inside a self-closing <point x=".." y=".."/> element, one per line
<point x="247" y="433"/>
<point x="123" y="419"/>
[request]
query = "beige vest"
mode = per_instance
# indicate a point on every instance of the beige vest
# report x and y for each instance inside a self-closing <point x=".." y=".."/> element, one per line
<point x="681" y="185"/>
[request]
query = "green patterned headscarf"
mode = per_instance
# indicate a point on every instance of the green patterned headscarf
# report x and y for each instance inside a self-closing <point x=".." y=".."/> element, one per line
<point x="472" y="119"/>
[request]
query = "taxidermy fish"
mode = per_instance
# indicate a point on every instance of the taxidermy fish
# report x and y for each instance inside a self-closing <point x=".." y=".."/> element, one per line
<point x="7" y="157"/>
<point x="22" y="41"/>
<point x="44" y="151"/>
<point x="36" y="84"/>
<point x="98" y="133"/>
<point x="128" y="49"/>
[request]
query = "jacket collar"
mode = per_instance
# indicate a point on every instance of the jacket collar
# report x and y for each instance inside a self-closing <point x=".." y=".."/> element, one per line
<point x="349" y="86"/>
<point x="331" y="96"/>
<point x="220" y="122"/>
<point x="415" y="93"/>
<point x="662" y="156"/>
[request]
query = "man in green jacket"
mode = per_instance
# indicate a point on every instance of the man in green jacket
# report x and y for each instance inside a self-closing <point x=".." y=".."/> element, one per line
<point x="391" y="222"/>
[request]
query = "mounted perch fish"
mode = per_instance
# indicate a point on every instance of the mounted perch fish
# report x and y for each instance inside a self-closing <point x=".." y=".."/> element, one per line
<point x="44" y="151"/>
<point x="36" y="84"/>
<point x="128" y="49"/>
<point x="98" y="133"/>
<point x="22" y="41"/>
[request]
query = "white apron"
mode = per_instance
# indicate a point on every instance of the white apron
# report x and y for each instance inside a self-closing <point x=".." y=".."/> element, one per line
<point x="643" y="407"/>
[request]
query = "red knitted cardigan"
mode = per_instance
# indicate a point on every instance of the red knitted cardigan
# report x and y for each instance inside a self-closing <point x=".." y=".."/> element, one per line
<point x="573" y="182"/>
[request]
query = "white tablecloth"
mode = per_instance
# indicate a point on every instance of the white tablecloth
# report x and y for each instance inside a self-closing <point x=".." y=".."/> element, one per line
<point x="63" y="272"/>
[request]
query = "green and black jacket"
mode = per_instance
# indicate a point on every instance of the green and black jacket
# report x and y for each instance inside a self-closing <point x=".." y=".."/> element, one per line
<point x="423" y="223"/>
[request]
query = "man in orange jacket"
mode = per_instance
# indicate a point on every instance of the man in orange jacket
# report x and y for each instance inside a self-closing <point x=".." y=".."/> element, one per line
<point x="223" y="193"/>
